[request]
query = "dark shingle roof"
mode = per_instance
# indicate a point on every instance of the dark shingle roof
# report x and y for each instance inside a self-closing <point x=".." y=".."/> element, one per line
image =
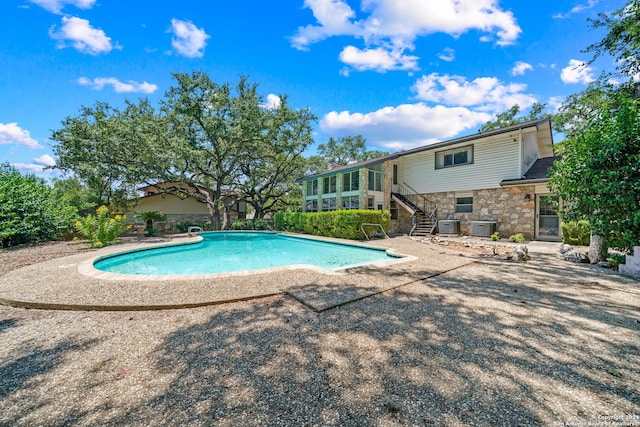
<point x="372" y="162"/>
<point x="540" y="169"/>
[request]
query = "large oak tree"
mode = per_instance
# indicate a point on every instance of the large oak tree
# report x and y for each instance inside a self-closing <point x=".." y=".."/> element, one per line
<point x="222" y="144"/>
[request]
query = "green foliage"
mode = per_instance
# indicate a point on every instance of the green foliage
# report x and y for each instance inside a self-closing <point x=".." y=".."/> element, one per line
<point x="510" y="117"/>
<point x="146" y="216"/>
<point x="599" y="175"/>
<point x="517" y="238"/>
<point x="346" y="150"/>
<point x="623" y="37"/>
<point x="250" y="224"/>
<point x="73" y="192"/>
<point x="224" y="142"/>
<point x="103" y="228"/>
<point x="345" y="224"/>
<point x="576" y="232"/>
<point x="615" y="260"/>
<point x="183" y="227"/>
<point x="495" y="236"/>
<point x="30" y="210"/>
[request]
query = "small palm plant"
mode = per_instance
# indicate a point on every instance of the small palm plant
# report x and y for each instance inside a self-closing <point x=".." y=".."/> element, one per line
<point x="148" y="217"/>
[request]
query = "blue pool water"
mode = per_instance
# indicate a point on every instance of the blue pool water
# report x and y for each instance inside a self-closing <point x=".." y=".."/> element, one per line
<point x="221" y="252"/>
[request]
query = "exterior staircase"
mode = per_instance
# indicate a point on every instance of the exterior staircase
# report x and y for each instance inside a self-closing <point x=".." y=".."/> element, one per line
<point x="424" y="218"/>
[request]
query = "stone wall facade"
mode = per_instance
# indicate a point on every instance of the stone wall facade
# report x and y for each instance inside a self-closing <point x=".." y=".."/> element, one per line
<point x="509" y="207"/>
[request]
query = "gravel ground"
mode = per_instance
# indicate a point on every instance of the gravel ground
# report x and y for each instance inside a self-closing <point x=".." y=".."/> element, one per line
<point x="492" y="343"/>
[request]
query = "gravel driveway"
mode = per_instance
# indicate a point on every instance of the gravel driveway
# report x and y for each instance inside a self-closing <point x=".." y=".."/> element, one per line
<point x="545" y="342"/>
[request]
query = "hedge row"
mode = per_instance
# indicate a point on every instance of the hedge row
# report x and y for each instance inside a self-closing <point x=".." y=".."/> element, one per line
<point x="344" y="224"/>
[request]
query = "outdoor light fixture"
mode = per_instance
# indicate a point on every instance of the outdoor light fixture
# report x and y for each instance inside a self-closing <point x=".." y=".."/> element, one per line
<point x="527" y="197"/>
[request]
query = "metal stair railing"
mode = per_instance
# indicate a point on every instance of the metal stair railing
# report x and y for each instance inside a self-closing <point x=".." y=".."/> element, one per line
<point x="419" y="204"/>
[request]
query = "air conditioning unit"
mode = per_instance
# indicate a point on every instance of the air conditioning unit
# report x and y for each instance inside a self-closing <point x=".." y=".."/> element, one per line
<point x="449" y="226"/>
<point x="483" y="228"/>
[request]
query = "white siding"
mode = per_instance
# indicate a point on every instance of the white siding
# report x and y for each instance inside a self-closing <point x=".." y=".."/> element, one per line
<point x="545" y="140"/>
<point x="494" y="160"/>
<point x="529" y="151"/>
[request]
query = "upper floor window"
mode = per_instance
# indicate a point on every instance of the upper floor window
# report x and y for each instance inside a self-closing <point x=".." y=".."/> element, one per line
<point x="312" y="188"/>
<point x="454" y="157"/>
<point x="375" y="180"/>
<point x="351" y="181"/>
<point x="329" y="185"/>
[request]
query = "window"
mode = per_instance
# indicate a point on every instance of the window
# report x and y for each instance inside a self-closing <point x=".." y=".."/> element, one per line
<point x="312" y="188"/>
<point x="311" y="205"/>
<point x="329" y="185"/>
<point x="371" y="203"/>
<point x="351" y="202"/>
<point x="464" y="204"/>
<point x="395" y="174"/>
<point x="351" y="181"/>
<point x="454" y="157"/>
<point x="394" y="210"/>
<point x="375" y="180"/>
<point x="328" y="203"/>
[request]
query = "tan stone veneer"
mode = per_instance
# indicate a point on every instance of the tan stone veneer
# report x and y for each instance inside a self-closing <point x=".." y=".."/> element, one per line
<point x="506" y="205"/>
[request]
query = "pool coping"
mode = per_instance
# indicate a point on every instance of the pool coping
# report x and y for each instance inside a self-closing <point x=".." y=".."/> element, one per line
<point x="58" y="283"/>
<point x="87" y="267"/>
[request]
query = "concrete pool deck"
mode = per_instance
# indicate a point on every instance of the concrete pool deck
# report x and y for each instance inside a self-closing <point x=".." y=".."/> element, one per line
<point x="70" y="283"/>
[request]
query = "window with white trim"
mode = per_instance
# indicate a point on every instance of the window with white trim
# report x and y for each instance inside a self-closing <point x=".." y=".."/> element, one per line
<point x="454" y="157"/>
<point x="351" y="181"/>
<point x="312" y="188"/>
<point x="329" y="185"/>
<point x="375" y="180"/>
<point x="328" y="203"/>
<point x="464" y="204"/>
<point x="351" y="202"/>
<point x="311" y="205"/>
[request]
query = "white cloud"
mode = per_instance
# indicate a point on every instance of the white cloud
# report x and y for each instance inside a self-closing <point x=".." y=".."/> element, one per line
<point x="31" y="167"/>
<point x="188" y="40"/>
<point x="447" y="54"/>
<point x="55" y="6"/>
<point x="44" y="160"/>
<point x="12" y="134"/>
<point x="484" y="93"/>
<point x="378" y="59"/>
<point x="405" y="126"/>
<point x="120" y="87"/>
<point x="520" y="68"/>
<point x="393" y="25"/>
<point x="334" y="19"/>
<point x="82" y="36"/>
<point x="555" y="102"/>
<point x="577" y="72"/>
<point x="576" y="9"/>
<point x="273" y="101"/>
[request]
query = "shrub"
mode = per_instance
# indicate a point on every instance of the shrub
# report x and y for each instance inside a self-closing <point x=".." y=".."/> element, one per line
<point x="576" y="232"/>
<point x="517" y="238"/>
<point x="345" y="224"/>
<point x="183" y="227"/>
<point x="615" y="260"/>
<point x="250" y="224"/>
<point x="102" y="228"/>
<point x="30" y="210"/>
<point x="495" y="236"/>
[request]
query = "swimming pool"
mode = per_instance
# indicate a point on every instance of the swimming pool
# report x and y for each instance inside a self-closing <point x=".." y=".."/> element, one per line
<point x="226" y="252"/>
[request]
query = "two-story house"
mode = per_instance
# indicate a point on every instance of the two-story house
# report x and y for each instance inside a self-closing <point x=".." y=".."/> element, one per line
<point x="474" y="185"/>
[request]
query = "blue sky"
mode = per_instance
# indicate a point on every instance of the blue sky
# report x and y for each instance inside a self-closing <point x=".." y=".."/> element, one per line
<point x="402" y="73"/>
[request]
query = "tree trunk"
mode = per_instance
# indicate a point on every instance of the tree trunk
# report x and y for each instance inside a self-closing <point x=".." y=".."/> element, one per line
<point x="597" y="249"/>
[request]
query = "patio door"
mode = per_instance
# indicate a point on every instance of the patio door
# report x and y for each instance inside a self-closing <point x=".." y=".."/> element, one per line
<point x="547" y="219"/>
